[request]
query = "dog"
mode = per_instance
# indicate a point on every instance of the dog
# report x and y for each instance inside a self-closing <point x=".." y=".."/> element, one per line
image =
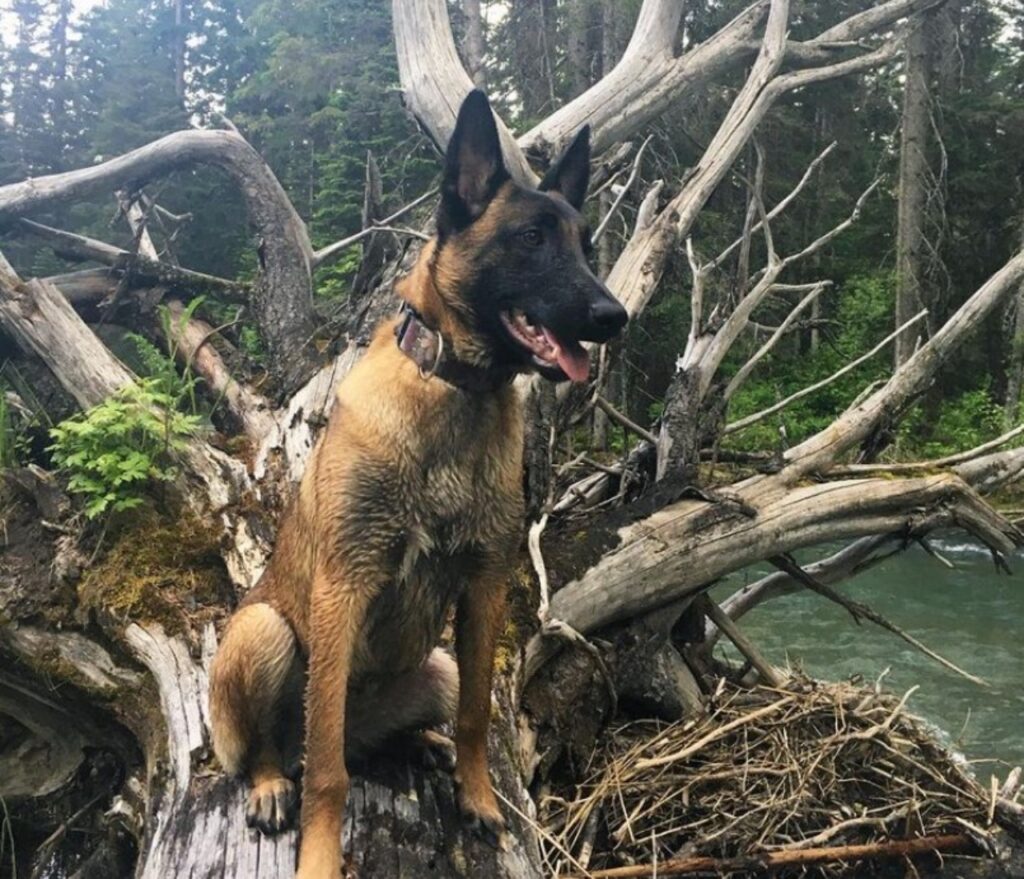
<point x="412" y="502"/>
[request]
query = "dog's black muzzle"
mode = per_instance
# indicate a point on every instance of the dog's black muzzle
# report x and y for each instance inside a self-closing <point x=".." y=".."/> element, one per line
<point x="605" y="316"/>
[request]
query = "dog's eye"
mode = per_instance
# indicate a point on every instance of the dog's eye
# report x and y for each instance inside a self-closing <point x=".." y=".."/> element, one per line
<point x="532" y="237"/>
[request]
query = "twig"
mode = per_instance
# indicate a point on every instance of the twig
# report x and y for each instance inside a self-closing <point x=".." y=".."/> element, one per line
<point x="745" y="646"/>
<point x="623" y="420"/>
<point x="934" y="553"/>
<point x="894" y="848"/>
<point x="696" y="297"/>
<point x="832" y="233"/>
<point x="858" y="609"/>
<point x="817" y="386"/>
<point x="540" y="569"/>
<point x="843" y="826"/>
<point x="748" y="367"/>
<point x="48" y="844"/>
<point x="947" y="461"/>
<point x="81" y="247"/>
<point x="626" y="187"/>
<point x="716" y="733"/>
<point x="584" y="874"/>
<point x="782" y="205"/>
<point x="326" y="253"/>
<point x="533" y="539"/>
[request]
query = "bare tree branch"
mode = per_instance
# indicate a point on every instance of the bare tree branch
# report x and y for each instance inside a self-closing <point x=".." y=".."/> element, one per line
<point x="947" y="461"/>
<point x="744" y="371"/>
<point x="192" y="341"/>
<point x="626" y="188"/>
<point x="638" y="270"/>
<point x="326" y="255"/>
<point x="282" y="295"/>
<point x="856" y="423"/>
<point x="143" y="265"/>
<point x="825" y="382"/>
<point x="783" y="204"/>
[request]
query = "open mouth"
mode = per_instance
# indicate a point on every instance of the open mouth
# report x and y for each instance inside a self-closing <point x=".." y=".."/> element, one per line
<point x="546" y="349"/>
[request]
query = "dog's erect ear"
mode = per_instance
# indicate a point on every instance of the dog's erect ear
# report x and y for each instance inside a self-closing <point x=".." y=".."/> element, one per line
<point x="571" y="173"/>
<point x="473" y="170"/>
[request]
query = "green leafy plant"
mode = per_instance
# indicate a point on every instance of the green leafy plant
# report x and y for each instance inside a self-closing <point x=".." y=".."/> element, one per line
<point x="160" y="366"/>
<point x="8" y="436"/>
<point x="117" y="450"/>
<point x="961" y="423"/>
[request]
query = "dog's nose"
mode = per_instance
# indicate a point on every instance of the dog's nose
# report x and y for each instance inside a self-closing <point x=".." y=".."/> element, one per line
<point x="608" y="316"/>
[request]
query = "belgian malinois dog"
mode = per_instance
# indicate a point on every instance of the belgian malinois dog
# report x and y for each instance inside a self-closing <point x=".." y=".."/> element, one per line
<point x="412" y="502"/>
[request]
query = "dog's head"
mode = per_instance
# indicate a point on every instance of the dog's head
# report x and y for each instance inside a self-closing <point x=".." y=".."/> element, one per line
<point x="511" y="261"/>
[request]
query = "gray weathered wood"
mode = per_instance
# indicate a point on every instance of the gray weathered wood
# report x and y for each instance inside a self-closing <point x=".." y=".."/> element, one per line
<point x="282" y="295"/>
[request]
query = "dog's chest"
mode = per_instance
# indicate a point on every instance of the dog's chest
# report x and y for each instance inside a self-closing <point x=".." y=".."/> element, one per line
<point x="457" y="508"/>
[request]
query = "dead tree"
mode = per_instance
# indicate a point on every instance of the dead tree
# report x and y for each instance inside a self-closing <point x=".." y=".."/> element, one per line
<point x="914" y="184"/>
<point x="133" y="687"/>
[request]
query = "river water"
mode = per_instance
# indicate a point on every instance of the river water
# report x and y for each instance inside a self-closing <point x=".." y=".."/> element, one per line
<point x="972" y="615"/>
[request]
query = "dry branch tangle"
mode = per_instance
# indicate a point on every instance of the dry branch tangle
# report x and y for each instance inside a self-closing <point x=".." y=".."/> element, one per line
<point x="682" y="547"/>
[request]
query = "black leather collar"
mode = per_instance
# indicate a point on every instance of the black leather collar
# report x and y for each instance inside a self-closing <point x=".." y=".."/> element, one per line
<point x="427" y="348"/>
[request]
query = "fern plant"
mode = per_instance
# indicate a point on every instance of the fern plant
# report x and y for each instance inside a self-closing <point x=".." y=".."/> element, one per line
<point x="117" y="450"/>
<point x="161" y="366"/>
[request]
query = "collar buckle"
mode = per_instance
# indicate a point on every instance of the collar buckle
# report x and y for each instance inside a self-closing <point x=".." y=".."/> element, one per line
<point x="426" y="348"/>
<point x="427" y="375"/>
<point x="422" y="345"/>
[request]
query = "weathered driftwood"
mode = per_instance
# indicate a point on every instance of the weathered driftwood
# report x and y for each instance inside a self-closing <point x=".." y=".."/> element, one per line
<point x="144" y="266"/>
<point x="662" y="559"/>
<point x="282" y="295"/>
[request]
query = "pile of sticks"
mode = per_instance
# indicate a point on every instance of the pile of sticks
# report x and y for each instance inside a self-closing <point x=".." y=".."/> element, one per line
<point x="806" y="775"/>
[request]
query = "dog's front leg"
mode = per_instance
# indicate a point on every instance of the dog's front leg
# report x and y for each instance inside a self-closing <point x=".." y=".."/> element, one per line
<point x="337" y="613"/>
<point x="480" y="618"/>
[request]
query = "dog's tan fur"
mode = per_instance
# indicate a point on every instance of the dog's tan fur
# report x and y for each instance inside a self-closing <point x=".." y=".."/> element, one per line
<point x="411" y="501"/>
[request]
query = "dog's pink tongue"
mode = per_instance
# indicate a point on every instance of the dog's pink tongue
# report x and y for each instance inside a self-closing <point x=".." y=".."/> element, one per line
<point x="573" y="358"/>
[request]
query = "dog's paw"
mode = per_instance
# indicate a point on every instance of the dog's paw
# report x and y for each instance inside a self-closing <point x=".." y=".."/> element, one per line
<point x="481" y="814"/>
<point x="271" y="806"/>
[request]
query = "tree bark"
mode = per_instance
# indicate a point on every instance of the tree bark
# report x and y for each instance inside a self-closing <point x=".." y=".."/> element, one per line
<point x="914" y="183"/>
<point x="473" y="45"/>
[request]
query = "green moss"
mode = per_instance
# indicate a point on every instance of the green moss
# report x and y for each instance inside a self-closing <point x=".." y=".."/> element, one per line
<point x="520" y="619"/>
<point x="162" y="571"/>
